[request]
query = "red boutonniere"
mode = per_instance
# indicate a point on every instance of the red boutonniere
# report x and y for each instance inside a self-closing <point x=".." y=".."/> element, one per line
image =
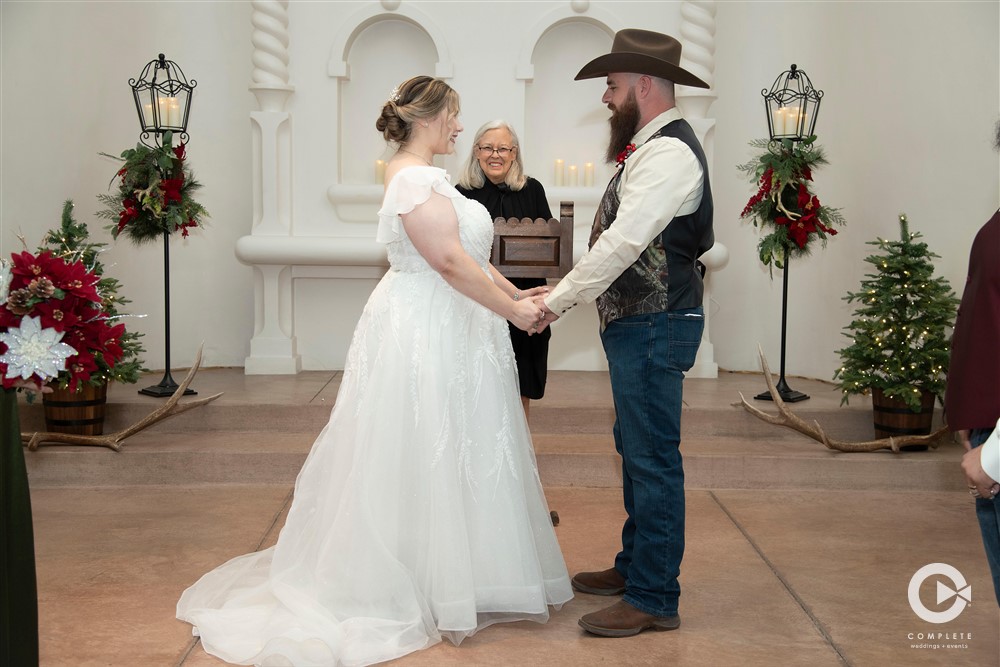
<point x="625" y="153"/>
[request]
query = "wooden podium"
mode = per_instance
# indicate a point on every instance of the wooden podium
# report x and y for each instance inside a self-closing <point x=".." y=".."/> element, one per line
<point x="526" y="248"/>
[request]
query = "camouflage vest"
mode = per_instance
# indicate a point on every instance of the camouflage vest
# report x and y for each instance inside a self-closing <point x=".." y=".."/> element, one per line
<point x="665" y="276"/>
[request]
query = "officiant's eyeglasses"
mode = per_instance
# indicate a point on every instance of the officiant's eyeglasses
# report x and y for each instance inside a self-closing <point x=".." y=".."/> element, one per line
<point x="502" y="151"/>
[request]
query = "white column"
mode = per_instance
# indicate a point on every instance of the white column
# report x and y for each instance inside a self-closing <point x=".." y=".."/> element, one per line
<point x="698" y="57"/>
<point x="272" y="347"/>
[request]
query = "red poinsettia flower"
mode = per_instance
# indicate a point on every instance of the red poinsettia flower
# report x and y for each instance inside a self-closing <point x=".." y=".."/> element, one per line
<point x="804" y="197"/>
<point x="110" y="339"/>
<point x="63" y="295"/>
<point x="800" y="229"/>
<point x="625" y="153"/>
<point x="80" y="368"/>
<point x="73" y="278"/>
<point x="172" y="189"/>
<point x="179" y="151"/>
<point x="807" y="201"/>
<point x="826" y="230"/>
<point x="61" y="315"/>
<point x="26" y="265"/>
<point x="130" y="210"/>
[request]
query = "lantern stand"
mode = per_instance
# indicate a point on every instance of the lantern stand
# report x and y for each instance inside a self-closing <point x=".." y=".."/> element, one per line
<point x="792" y="105"/>
<point x="163" y="108"/>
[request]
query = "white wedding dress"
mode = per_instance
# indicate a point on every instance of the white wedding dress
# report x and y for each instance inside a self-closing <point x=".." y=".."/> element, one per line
<point x="419" y="512"/>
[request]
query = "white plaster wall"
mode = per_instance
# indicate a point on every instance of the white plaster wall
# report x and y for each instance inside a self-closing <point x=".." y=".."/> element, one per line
<point x="912" y="93"/>
<point x="65" y="97"/>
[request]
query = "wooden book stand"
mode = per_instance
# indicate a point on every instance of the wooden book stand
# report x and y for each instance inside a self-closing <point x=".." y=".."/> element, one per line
<point x="526" y="248"/>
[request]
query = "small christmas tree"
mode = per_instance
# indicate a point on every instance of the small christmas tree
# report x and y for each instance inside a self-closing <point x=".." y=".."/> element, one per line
<point x="899" y="335"/>
<point x="71" y="240"/>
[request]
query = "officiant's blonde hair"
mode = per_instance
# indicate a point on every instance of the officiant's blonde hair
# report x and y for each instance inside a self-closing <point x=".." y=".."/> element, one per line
<point x="473" y="177"/>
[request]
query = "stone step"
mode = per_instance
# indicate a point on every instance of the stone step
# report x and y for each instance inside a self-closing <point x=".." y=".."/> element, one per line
<point x="261" y="429"/>
<point x="727" y="421"/>
<point x="587" y="460"/>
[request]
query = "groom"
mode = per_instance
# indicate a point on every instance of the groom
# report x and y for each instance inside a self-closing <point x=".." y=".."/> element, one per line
<point x="654" y="221"/>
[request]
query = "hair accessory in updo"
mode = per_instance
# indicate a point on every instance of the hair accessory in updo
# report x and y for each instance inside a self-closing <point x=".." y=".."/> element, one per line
<point x="394" y="94"/>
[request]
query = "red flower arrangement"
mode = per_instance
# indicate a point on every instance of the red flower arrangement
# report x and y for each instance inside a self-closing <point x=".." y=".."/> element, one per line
<point x="51" y="301"/>
<point x="784" y="202"/>
<point x="154" y="194"/>
<point x="625" y="153"/>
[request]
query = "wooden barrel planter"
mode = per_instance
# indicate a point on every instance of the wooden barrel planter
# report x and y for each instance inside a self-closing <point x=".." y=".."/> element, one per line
<point x="893" y="418"/>
<point x="79" y="413"/>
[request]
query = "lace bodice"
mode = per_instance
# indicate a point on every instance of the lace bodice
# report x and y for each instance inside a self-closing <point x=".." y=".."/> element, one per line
<point x="412" y="186"/>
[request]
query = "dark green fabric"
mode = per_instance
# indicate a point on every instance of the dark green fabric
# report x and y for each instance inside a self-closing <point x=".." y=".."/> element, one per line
<point x="18" y="593"/>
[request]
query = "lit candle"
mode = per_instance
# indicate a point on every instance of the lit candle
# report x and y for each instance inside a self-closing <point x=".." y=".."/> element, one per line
<point x="778" y="120"/>
<point x="574" y="177"/>
<point x="379" y="171"/>
<point x="588" y="174"/>
<point x="560" y="175"/>
<point x="163" y="111"/>
<point x="174" y="112"/>
<point x="792" y="121"/>
<point x="147" y="115"/>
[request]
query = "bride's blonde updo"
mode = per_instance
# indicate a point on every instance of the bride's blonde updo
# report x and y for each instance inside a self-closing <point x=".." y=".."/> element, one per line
<point x="416" y="99"/>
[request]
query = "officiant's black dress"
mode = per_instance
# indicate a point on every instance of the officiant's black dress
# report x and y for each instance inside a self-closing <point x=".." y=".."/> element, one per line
<point x="530" y="352"/>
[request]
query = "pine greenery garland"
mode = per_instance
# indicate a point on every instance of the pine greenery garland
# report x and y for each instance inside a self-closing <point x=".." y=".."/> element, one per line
<point x="155" y="194"/>
<point x="900" y="343"/>
<point x="784" y="206"/>
<point x="71" y="240"/>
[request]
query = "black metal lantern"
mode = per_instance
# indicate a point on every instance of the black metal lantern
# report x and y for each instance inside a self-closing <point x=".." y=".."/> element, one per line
<point x="162" y="98"/>
<point x="792" y="106"/>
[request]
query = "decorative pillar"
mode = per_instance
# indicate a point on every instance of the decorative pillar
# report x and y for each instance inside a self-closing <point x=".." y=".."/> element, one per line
<point x="272" y="348"/>
<point x="698" y="57"/>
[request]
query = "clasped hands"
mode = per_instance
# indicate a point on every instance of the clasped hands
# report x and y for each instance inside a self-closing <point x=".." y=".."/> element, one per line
<point x="981" y="485"/>
<point x="530" y="312"/>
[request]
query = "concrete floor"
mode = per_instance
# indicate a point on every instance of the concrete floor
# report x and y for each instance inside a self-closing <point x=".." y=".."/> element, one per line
<point x="783" y="572"/>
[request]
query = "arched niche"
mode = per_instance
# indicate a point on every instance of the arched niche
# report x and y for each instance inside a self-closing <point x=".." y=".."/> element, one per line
<point x="375" y="51"/>
<point x="554" y="99"/>
<point x="384" y="55"/>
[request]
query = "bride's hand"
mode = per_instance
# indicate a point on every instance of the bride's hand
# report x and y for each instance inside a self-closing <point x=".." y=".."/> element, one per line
<point x="526" y="315"/>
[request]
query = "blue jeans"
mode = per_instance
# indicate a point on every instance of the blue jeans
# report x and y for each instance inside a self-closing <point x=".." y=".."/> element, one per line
<point x="988" y="513"/>
<point x="647" y="358"/>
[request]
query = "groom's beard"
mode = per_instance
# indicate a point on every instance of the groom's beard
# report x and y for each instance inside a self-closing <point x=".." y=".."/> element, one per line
<point x="624" y="122"/>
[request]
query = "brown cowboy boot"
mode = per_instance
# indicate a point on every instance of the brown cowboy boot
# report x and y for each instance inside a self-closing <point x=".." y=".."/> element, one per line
<point x="606" y="582"/>
<point x="623" y="620"/>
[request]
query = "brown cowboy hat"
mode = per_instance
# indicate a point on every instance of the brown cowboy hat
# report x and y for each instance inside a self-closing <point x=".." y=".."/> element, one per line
<point x="642" y="52"/>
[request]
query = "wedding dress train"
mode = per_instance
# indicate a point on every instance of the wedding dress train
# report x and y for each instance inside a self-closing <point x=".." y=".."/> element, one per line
<point x="419" y="512"/>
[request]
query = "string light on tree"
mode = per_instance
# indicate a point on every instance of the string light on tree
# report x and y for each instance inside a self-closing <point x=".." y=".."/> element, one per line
<point x="899" y="337"/>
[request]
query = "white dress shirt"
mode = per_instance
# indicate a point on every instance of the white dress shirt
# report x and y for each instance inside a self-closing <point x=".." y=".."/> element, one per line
<point x="662" y="180"/>
<point x="989" y="454"/>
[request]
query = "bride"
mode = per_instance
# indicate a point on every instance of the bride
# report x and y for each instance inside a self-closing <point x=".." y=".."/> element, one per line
<point x="419" y="513"/>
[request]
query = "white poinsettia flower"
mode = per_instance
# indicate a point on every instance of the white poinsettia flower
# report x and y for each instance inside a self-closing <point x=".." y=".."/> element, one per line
<point x="5" y="278"/>
<point x="32" y="350"/>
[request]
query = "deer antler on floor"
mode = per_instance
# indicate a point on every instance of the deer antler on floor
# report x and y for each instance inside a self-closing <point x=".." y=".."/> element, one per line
<point x="789" y="419"/>
<point x="114" y="440"/>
